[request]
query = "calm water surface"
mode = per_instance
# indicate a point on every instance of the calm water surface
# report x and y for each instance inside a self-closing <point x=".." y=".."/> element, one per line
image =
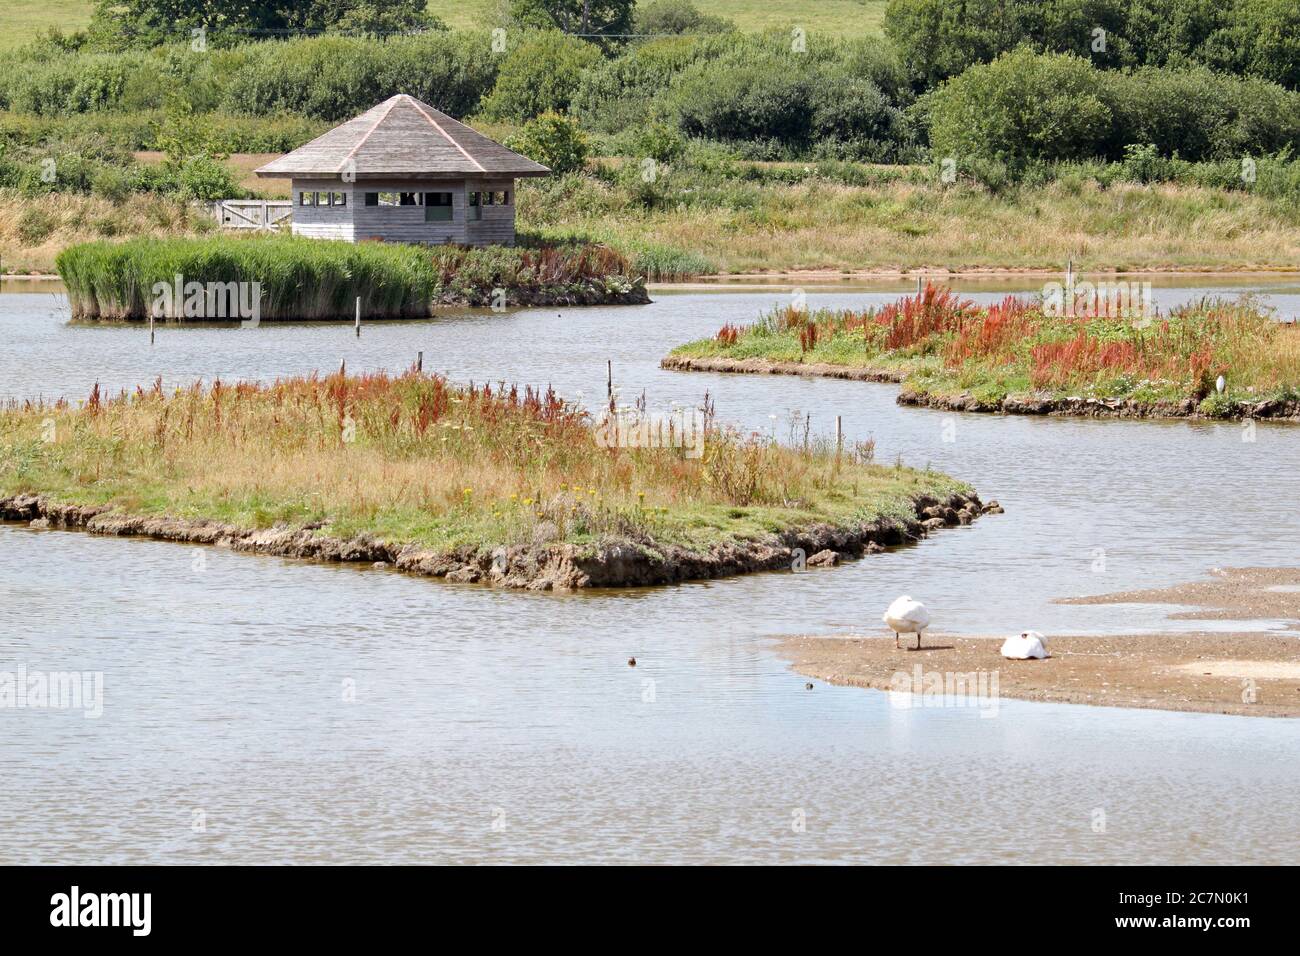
<point x="502" y="727"/>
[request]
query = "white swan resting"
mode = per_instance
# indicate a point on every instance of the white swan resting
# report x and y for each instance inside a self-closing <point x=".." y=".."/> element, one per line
<point x="1025" y="645"/>
<point x="906" y="616"/>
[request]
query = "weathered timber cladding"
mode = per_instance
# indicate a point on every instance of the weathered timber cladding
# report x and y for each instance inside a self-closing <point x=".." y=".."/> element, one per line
<point x="323" y="222"/>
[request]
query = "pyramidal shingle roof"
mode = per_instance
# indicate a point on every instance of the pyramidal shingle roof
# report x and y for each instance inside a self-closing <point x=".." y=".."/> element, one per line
<point x="403" y="137"/>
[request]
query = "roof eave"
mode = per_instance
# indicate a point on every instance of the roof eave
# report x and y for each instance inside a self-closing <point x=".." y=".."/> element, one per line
<point x="430" y="174"/>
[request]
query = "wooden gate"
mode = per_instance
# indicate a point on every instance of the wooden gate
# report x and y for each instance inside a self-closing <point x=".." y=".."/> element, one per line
<point x="263" y="214"/>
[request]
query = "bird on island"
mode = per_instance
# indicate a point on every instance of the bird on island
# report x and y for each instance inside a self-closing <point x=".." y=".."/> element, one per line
<point x="906" y="616"/>
<point x="1219" y="384"/>
<point x="1026" y="645"/>
<point x="631" y="662"/>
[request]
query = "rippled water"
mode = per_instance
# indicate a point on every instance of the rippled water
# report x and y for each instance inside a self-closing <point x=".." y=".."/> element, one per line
<point x="224" y="675"/>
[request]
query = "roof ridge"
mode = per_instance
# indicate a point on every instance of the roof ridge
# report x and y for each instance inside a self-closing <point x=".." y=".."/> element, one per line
<point x="420" y="107"/>
<point x="361" y="142"/>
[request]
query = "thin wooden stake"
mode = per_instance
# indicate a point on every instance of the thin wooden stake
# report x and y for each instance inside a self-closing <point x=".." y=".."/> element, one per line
<point x="343" y="367"/>
<point x="358" y="316"/>
<point x="918" y="285"/>
<point x="419" y="361"/>
<point x="1069" y="274"/>
<point x="839" y="433"/>
<point x="151" y="326"/>
<point x="609" y="382"/>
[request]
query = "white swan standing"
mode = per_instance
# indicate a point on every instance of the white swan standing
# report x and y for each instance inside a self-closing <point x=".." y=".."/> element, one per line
<point x="1025" y="645"/>
<point x="906" y="616"/>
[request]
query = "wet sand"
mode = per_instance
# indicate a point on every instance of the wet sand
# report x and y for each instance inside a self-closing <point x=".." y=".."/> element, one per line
<point x="1226" y="594"/>
<point x="1213" y="673"/>
<point x="1253" y="674"/>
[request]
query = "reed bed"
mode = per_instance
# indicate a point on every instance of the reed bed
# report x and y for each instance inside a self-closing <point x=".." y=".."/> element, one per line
<point x="299" y="278"/>
<point x="413" y="459"/>
<point x="308" y="279"/>
<point x="942" y="344"/>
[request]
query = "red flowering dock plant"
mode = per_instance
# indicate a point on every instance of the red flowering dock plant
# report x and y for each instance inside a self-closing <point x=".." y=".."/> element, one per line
<point x="415" y="461"/>
<point x="1017" y="355"/>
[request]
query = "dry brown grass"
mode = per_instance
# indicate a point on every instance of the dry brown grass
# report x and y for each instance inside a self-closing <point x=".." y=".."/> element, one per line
<point x="898" y="226"/>
<point x="34" y="231"/>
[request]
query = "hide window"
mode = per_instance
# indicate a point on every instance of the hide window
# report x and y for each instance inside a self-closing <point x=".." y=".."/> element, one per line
<point x="437" y="207"/>
<point x="306" y="199"/>
<point x="384" y="199"/>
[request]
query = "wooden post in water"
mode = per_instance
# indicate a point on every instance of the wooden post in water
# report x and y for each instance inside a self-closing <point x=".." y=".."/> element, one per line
<point x="1069" y="273"/>
<point x="419" y="361"/>
<point x="918" y="285"/>
<point x="609" y="382"/>
<point x="839" y="434"/>
<point x="343" y="367"/>
<point x="358" y="316"/>
<point x="151" y="326"/>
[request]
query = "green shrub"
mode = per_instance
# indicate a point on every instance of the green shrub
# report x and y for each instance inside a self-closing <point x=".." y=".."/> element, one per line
<point x="1027" y="108"/>
<point x="111" y="183"/>
<point x="335" y="78"/>
<point x="658" y="17"/>
<point x="627" y="91"/>
<point x="1021" y="108"/>
<point x="938" y="39"/>
<point x="205" y="179"/>
<point x="660" y="142"/>
<point x="553" y="140"/>
<point x="1198" y="114"/>
<point x="539" y="75"/>
<point x="35" y="226"/>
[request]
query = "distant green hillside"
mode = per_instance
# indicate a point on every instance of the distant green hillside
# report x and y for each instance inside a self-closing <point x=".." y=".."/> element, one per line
<point x="20" y="19"/>
<point x="833" y="16"/>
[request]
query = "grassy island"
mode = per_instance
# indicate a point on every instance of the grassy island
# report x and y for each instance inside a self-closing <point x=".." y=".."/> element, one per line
<point x="1016" y="356"/>
<point x="498" y="485"/>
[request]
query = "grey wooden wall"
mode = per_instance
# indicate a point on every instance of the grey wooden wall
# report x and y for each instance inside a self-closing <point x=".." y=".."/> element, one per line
<point x="323" y="222"/>
<point x="356" y="221"/>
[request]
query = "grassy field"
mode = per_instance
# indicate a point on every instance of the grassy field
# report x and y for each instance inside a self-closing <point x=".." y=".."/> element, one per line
<point x="820" y="224"/>
<point x="1100" y="349"/>
<point x="740" y="227"/>
<point x="20" y="19"/>
<point x="841" y="17"/>
<point x="413" y="460"/>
